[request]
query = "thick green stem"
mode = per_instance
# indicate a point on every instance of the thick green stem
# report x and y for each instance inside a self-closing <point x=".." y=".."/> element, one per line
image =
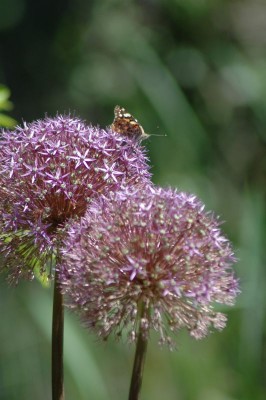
<point x="137" y="373"/>
<point x="57" y="343"/>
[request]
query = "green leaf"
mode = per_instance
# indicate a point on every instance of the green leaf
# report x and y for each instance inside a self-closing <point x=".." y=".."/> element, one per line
<point x="6" y="105"/>
<point x="7" y="122"/>
<point x="4" y="94"/>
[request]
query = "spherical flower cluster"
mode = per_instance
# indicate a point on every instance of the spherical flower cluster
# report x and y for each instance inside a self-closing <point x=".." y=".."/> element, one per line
<point x="153" y="250"/>
<point x="49" y="172"/>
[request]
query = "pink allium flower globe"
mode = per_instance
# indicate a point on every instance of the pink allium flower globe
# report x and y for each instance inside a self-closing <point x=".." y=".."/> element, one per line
<point x="151" y="249"/>
<point x="49" y="172"/>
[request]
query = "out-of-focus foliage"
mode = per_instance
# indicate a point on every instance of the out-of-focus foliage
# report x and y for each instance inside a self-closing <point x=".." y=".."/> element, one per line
<point x="194" y="70"/>
<point x="5" y="105"/>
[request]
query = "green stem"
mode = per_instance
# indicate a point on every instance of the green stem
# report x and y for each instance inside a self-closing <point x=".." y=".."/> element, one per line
<point x="137" y="373"/>
<point x="57" y="343"/>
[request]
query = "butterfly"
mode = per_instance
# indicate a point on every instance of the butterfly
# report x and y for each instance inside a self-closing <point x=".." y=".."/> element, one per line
<point x="125" y="124"/>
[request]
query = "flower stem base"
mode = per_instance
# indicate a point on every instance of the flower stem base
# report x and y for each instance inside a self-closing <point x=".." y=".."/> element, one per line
<point x="57" y="343"/>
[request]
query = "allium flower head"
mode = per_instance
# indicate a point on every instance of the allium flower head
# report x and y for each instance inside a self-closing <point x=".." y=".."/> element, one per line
<point x="49" y="171"/>
<point x="153" y="249"/>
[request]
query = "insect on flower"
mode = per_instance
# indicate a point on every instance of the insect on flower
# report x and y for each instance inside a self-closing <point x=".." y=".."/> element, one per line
<point x="125" y="124"/>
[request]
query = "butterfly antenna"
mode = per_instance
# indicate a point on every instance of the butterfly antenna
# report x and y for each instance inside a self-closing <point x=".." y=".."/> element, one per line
<point x="154" y="134"/>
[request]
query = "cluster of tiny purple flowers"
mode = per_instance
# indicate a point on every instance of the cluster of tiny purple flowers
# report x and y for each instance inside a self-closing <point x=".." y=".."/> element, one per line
<point x="50" y="170"/>
<point x="132" y="256"/>
<point x="155" y="250"/>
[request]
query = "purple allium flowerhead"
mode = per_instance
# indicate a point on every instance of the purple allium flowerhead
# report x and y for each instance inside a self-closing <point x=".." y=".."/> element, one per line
<point x="155" y="250"/>
<point x="49" y="172"/>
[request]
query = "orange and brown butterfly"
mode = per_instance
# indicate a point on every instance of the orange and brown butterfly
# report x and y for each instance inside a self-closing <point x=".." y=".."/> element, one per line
<point x="125" y="124"/>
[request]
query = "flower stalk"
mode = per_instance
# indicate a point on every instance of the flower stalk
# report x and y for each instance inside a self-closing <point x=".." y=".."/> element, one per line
<point x="139" y="361"/>
<point x="57" y="343"/>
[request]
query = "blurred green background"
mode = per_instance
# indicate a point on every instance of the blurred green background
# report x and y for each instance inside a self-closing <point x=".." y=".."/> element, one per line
<point x="194" y="70"/>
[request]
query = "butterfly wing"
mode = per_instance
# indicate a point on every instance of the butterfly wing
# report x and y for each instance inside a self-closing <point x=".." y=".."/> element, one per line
<point x="125" y="124"/>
